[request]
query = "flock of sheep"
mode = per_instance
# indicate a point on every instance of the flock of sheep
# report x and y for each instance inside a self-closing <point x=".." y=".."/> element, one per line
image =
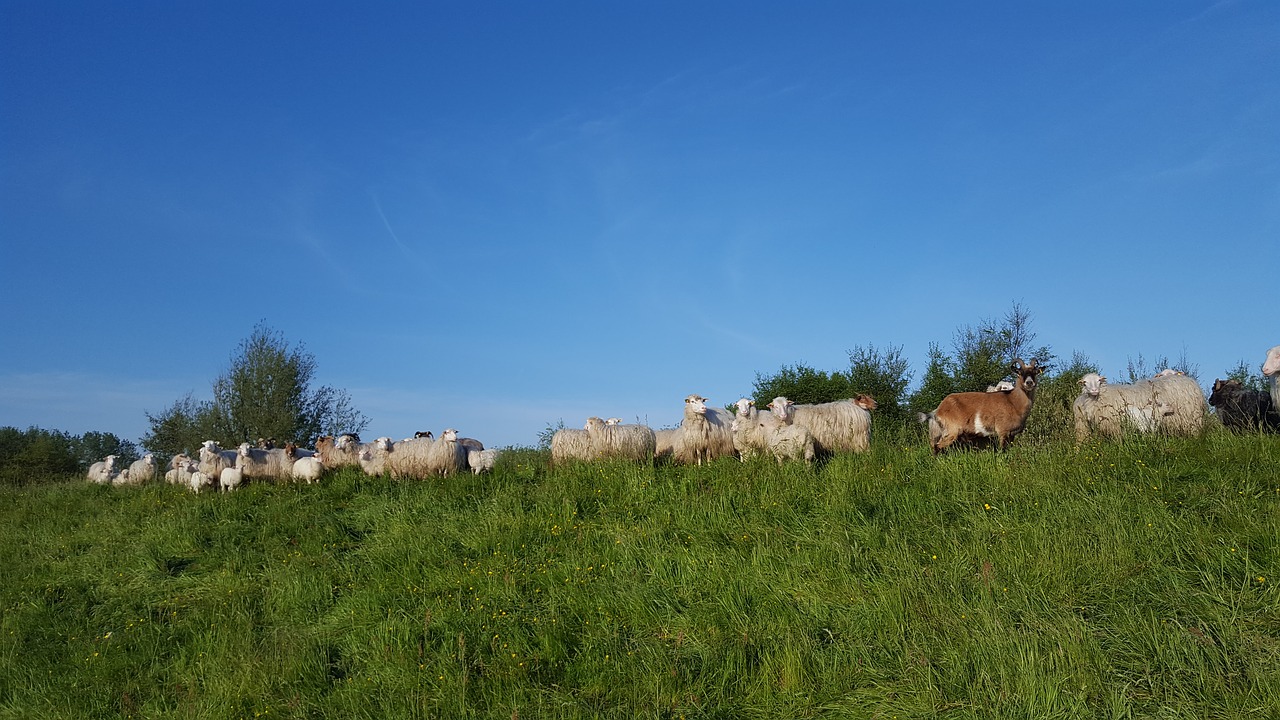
<point x="1170" y="402"/>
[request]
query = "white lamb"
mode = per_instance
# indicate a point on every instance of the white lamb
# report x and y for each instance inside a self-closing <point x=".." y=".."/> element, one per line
<point x="482" y="460"/>
<point x="101" y="471"/>
<point x="626" y="442"/>
<point x="199" y="481"/>
<point x="840" y="426"/>
<point x="1271" y="371"/>
<point x="231" y="478"/>
<point x="307" y="469"/>
<point x="706" y="433"/>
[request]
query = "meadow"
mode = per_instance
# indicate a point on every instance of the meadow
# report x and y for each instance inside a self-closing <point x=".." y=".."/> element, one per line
<point x="1114" y="580"/>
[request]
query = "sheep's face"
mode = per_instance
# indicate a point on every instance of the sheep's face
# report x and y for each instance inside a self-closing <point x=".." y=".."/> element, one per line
<point x="696" y="404"/>
<point x="866" y="402"/>
<point x="744" y="406"/>
<point x="1092" y="384"/>
<point x="110" y="460"/>
<point x="593" y="423"/>
<point x="210" y="445"/>
<point x="1271" y="367"/>
<point x="450" y="435"/>
<point x="613" y="421"/>
<point x="244" y="449"/>
<point x="383" y="443"/>
<point x="782" y="407"/>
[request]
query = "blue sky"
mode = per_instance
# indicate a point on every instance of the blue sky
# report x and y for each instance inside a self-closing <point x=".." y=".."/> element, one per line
<point x="493" y="216"/>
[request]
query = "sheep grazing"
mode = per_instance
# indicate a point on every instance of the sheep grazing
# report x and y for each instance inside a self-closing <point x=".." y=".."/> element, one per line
<point x="570" y="444"/>
<point x="841" y="426"/>
<point x="1109" y="410"/>
<point x="1271" y="371"/>
<point x="624" y="442"/>
<point x="141" y="471"/>
<point x="783" y="438"/>
<point x="1240" y="408"/>
<point x="1185" y="401"/>
<point x="748" y="433"/>
<point x="706" y="433"/>
<point x="101" y="471"/>
<point x="981" y="415"/>
<point x="482" y="460"/>
<point x="307" y="469"/>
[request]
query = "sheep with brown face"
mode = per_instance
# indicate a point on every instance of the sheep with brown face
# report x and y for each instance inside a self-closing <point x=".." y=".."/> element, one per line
<point x="980" y="415"/>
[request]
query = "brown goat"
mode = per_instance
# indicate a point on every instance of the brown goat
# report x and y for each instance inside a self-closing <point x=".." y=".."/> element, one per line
<point x="976" y="416"/>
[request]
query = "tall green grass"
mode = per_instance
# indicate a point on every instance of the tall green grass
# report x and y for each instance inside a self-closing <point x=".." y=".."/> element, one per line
<point x="1112" y="581"/>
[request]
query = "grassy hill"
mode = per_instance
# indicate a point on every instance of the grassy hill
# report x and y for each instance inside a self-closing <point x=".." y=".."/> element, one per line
<point x="1134" y="580"/>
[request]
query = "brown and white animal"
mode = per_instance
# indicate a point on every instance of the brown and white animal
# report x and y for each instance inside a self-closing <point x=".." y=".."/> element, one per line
<point x="981" y="415"/>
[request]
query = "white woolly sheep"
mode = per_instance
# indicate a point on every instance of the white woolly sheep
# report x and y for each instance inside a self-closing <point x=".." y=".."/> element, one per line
<point x="447" y="455"/>
<point x="664" y="447"/>
<point x="706" y="433"/>
<point x="1186" y="401"/>
<point x="373" y="456"/>
<point x="142" y="470"/>
<point x="408" y="458"/>
<point x="178" y="473"/>
<point x="1002" y="386"/>
<point x="979" y="416"/>
<point x="570" y="444"/>
<point x="101" y="471"/>
<point x="262" y="464"/>
<point x="232" y="478"/>
<point x="748" y="435"/>
<point x="841" y="426"/>
<point x="121" y="478"/>
<point x="783" y="438"/>
<point x="1108" y="410"/>
<point x="625" y="442"/>
<point x="199" y="481"/>
<point x="307" y="468"/>
<point x="213" y="459"/>
<point x="341" y="451"/>
<point x="1271" y="371"/>
<point x="482" y="460"/>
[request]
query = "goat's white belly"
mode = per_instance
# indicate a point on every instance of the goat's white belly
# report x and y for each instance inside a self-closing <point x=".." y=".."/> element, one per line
<point x="978" y="427"/>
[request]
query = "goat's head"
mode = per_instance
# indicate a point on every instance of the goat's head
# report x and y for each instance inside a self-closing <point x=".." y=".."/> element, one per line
<point x="1027" y="374"/>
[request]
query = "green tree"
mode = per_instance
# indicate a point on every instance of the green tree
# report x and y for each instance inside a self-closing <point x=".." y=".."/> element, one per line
<point x="266" y="392"/>
<point x="802" y="384"/>
<point x="1245" y="375"/>
<point x="35" y="455"/>
<point x="884" y="375"/>
<point x="94" y="446"/>
<point x="938" y="381"/>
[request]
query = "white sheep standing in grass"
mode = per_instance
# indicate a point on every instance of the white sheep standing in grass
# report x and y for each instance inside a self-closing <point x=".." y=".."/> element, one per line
<point x="569" y="444"/>
<point x="1271" y="371"/>
<point x="1109" y="410"/>
<point x="747" y="429"/>
<point x="307" y="469"/>
<point x="213" y="459"/>
<point x="199" y="481"/>
<point x="373" y="456"/>
<point x="706" y="433"/>
<point x="625" y="442"/>
<point x="231" y="478"/>
<point x="1185" y="399"/>
<point x="142" y="470"/>
<point x="782" y="436"/>
<point x="447" y="455"/>
<point x="840" y="426"/>
<point x="408" y="458"/>
<point x="260" y="464"/>
<point x="101" y="471"/>
<point x="482" y="460"/>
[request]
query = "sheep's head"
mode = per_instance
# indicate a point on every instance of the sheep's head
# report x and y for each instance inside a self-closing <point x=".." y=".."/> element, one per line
<point x="449" y="435"/>
<point x="290" y="449"/>
<point x="1091" y="384"/>
<point x="696" y="404"/>
<point x="745" y="405"/>
<point x="210" y="445"/>
<point x="1167" y="372"/>
<point x="245" y="450"/>
<point x="384" y="443"/>
<point x="593" y="423"/>
<point x="866" y="402"/>
<point x="346" y="442"/>
<point x="613" y="421"/>
<point x="782" y="407"/>
<point x="149" y="459"/>
<point x="1271" y="367"/>
<point x="110" y="460"/>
